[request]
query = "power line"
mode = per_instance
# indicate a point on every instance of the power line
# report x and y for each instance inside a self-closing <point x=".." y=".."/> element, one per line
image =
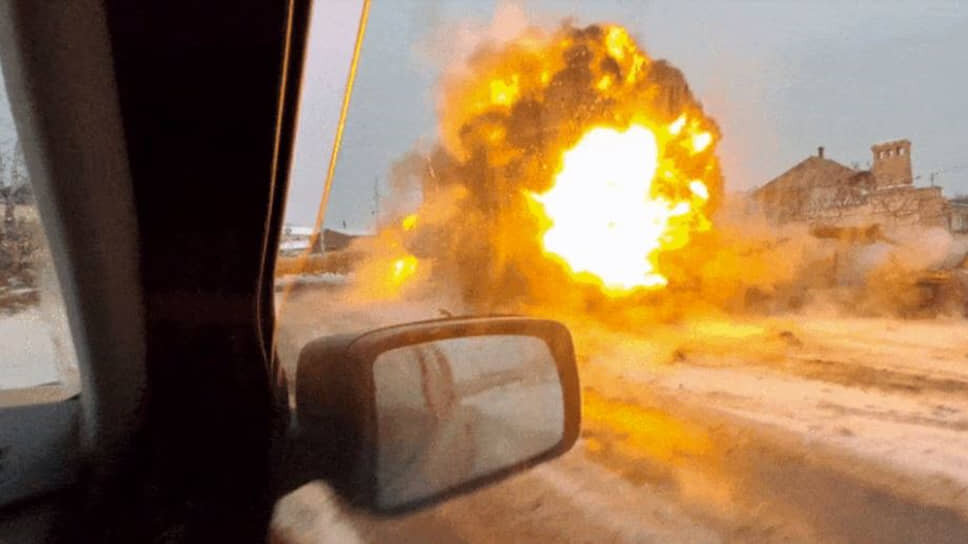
<point x="936" y="173"/>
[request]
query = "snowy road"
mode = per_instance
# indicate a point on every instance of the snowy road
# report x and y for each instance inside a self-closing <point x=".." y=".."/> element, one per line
<point x="30" y="356"/>
<point x="799" y="430"/>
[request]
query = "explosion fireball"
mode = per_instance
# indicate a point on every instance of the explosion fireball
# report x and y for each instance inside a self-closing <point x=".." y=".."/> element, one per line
<point x="580" y="161"/>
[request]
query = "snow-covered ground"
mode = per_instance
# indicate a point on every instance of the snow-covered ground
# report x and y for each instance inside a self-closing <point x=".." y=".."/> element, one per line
<point x="891" y="395"/>
<point x="29" y="355"/>
<point x="325" y="278"/>
<point x="783" y="429"/>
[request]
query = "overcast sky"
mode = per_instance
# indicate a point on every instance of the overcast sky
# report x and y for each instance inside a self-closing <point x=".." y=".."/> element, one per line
<point x="781" y="78"/>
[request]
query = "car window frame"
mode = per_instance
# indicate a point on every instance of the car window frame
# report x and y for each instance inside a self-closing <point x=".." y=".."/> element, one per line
<point x="66" y="113"/>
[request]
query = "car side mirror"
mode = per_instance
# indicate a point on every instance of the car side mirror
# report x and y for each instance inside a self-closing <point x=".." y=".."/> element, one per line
<point x="410" y="415"/>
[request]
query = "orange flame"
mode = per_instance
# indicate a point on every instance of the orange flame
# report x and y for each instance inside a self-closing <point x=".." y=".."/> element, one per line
<point x="403" y="269"/>
<point x="580" y="158"/>
<point x="409" y="222"/>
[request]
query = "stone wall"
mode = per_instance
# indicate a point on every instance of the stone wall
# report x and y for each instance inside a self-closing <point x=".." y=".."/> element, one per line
<point x="890" y="208"/>
<point x="958" y="217"/>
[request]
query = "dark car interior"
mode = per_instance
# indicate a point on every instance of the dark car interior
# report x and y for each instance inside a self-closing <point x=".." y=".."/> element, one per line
<point x="163" y="133"/>
<point x="158" y="137"/>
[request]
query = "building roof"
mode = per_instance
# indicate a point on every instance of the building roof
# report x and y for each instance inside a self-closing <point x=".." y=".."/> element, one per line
<point x="809" y="173"/>
<point x="296" y="230"/>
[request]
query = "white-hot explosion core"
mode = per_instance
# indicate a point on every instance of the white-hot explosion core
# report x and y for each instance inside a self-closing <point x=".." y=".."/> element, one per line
<point x="604" y="220"/>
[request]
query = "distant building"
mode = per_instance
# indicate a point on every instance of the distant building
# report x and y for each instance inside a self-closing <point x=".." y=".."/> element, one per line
<point x="820" y="191"/>
<point x="297" y="239"/>
<point x="334" y="240"/>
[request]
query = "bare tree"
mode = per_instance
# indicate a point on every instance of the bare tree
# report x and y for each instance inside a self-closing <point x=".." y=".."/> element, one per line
<point x="19" y="236"/>
<point x="5" y="191"/>
<point x="18" y="182"/>
<point x="3" y="169"/>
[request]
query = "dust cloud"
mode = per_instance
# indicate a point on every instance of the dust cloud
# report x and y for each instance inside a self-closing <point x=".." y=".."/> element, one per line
<point x="513" y="96"/>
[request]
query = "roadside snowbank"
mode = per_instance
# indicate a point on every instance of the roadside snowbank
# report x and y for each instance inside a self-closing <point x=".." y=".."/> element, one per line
<point x="29" y="356"/>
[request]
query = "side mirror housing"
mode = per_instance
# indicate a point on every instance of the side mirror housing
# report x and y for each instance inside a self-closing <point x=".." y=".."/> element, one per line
<point x="407" y="416"/>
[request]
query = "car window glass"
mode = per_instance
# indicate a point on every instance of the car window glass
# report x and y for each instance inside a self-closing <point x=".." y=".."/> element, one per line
<point x="753" y="218"/>
<point x="35" y="341"/>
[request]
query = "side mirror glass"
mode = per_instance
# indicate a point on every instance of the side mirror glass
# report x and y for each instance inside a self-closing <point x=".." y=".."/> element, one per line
<point x="457" y="409"/>
<point x="420" y="412"/>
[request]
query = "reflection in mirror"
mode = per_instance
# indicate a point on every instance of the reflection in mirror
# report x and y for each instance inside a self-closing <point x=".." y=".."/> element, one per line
<point x="453" y="410"/>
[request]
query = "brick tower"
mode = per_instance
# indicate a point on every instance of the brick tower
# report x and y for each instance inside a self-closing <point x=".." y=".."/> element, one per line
<point x="892" y="163"/>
